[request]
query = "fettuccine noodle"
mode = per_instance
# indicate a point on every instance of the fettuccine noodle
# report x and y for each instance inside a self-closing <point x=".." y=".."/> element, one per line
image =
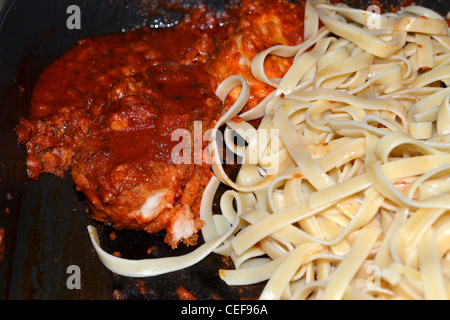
<point x="344" y="188"/>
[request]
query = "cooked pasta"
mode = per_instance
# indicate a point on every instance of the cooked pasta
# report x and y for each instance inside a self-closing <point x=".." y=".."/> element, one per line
<point x="344" y="187"/>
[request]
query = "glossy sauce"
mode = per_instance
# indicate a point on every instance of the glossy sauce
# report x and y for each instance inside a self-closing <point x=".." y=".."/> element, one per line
<point x="82" y="76"/>
<point x="73" y="90"/>
<point x="147" y="108"/>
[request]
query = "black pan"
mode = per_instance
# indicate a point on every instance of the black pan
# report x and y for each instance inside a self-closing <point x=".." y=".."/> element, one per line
<point x="44" y="222"/>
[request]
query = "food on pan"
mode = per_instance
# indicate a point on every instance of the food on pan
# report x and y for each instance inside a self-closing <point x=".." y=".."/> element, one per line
<point x="108" y="109"/>
<point x="344" y="180"/>
<point x="77" y="124"/>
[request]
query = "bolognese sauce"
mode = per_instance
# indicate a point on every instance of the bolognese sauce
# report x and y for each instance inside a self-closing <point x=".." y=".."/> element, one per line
<point x="74" y="88"/>
<point x="105" y="110"/>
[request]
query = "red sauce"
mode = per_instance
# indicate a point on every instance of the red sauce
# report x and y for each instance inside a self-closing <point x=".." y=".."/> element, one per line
<point x="84" y="74"/>
<point x="183" y="294"/>
<point x="146" y="109"/>
<point x="73" y="90"/>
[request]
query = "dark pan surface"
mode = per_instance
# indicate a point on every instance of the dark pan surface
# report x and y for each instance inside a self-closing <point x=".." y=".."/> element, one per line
<point x="45" y="221"/>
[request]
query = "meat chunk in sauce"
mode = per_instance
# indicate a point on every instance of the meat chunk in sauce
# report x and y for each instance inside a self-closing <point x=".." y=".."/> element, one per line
<point x="125" y="166"/>
<point x="73" y="89"/>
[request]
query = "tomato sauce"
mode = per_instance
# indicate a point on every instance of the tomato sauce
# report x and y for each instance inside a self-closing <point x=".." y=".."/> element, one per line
<point x="147" y="108"/>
